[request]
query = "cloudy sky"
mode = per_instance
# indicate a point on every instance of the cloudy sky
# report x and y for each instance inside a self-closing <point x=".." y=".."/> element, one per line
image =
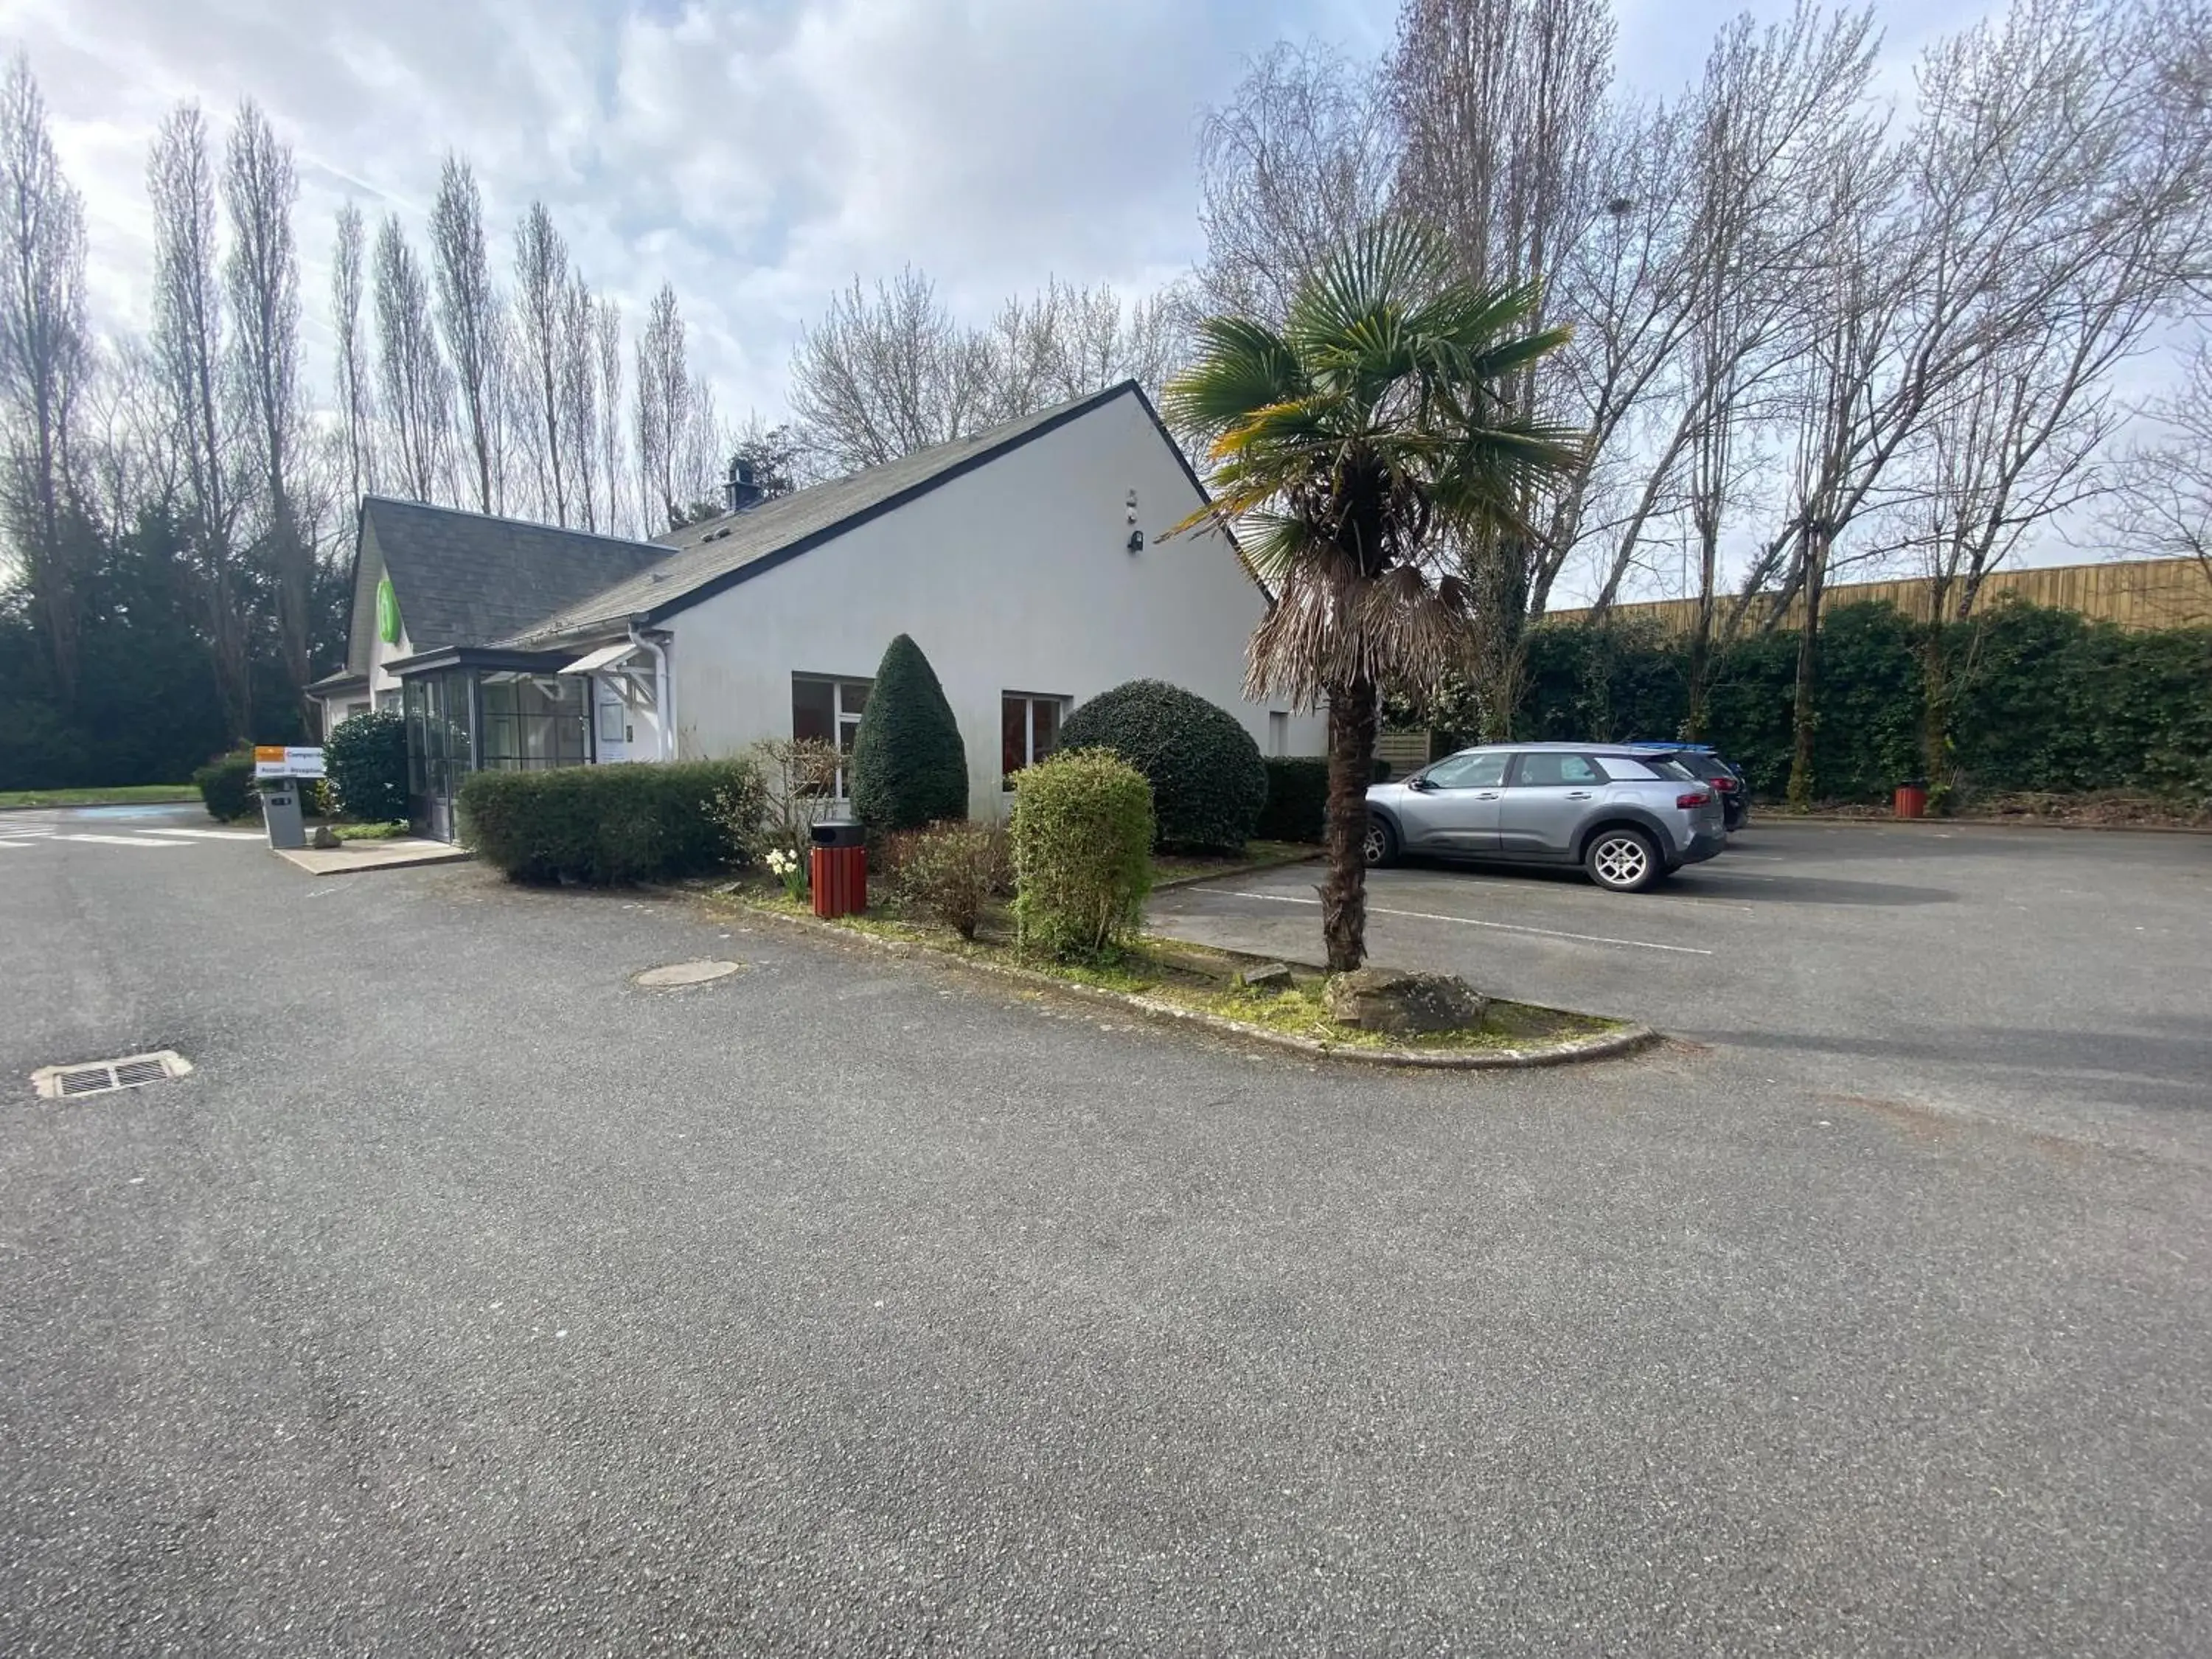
<point x="757" y="153"/>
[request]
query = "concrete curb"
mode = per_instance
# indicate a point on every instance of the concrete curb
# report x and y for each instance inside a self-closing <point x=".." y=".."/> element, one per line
<point x="1240" y="870"/>
<point x="1607" y="1045"/>
<point x="1832" y="818"/>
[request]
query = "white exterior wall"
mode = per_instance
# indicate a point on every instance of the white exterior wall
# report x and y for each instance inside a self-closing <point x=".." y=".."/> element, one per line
<point x="1012" y="578"/>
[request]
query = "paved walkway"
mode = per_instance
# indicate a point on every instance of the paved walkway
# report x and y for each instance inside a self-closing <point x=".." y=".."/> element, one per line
<point x="468" y="1297"/>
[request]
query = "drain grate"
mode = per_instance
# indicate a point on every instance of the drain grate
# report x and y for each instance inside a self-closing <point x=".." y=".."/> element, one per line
<point x="105" y="1077"/>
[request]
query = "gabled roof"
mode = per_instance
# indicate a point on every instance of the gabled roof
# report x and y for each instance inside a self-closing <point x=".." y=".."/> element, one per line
<point x="705" y="558"/>
<point x="465" y="579"/>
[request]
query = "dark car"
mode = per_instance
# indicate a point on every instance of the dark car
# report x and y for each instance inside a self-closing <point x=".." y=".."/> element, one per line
<point x="1704" y="760"/>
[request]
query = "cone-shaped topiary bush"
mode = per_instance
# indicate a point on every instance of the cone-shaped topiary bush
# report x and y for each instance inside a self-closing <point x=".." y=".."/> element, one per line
<point x="908" y="766"/>
<point x="1208" y="781"/>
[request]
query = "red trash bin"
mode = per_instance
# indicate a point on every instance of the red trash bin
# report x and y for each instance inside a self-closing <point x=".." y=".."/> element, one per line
<point x="837" y="869"/>
<point x="1911" y="800"/>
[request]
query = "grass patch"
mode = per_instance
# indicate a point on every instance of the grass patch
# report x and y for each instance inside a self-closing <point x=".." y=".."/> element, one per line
<point x="368" y="831"/>
<point x="1256" y="855"/>
<point x="128" y="794"/>
<point x="1203" y="980"/>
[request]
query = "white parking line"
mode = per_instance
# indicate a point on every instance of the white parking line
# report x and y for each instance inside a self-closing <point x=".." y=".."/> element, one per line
<point x="208" y="835"/>
<point x="1501" y="926"/>
<point x="121" y="840"/>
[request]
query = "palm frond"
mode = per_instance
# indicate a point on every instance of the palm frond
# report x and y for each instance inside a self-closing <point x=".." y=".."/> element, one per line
<point x="1242" y="367"/>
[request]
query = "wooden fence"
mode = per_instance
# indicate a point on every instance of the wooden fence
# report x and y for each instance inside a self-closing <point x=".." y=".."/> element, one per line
<point x="2136" y="593"/>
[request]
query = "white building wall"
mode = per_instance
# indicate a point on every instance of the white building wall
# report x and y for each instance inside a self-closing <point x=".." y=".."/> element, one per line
<point x="1012" y="578"/>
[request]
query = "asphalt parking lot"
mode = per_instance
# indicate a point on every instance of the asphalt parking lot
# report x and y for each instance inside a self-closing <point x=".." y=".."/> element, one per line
<point x="2058" y="979"/>
<point x="468" y="1298"/>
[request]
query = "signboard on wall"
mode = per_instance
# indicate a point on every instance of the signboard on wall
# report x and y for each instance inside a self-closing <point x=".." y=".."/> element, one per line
<point x="388" y="612"/>
<point x="275" y="761"/>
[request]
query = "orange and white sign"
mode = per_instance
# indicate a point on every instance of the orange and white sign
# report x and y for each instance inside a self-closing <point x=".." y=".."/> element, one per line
<point x="275" y="761"/>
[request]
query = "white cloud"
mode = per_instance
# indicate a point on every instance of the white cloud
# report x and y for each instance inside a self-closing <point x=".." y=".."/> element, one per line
<point x="758" y="156"/>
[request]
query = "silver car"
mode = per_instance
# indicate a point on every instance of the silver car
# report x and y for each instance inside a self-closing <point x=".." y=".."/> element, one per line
<point x="1627" y="819"/>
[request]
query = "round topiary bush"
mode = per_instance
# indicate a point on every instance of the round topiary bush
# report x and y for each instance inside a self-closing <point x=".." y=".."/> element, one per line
<point x="226" y="785"/>
<point x="1209" y="784"/>
<point x="908" y="766"/>
<point x="366" y="758"/>
<point x="1083" y="846"/>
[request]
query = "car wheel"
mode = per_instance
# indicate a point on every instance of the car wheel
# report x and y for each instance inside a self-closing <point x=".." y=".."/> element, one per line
<point x="1380" y="846"/>
<point x="1622" y="860"/>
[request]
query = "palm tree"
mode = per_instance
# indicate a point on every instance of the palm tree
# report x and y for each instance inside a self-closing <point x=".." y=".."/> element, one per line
<point x="1351" y="449"/>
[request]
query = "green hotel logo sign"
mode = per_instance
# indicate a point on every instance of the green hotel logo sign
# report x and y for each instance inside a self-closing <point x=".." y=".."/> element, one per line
<point x="387" y="613"/>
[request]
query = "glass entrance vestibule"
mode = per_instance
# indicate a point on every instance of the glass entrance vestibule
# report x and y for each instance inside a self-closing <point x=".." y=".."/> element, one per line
<point x="510" y="717"/>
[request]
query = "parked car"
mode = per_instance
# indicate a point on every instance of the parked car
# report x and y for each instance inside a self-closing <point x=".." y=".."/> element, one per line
<point x="1705" y="761"/>
<point x="1626" y="817"/>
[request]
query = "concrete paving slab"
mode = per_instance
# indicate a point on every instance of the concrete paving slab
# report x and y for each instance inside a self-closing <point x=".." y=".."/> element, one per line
<point x="397" y="853"/>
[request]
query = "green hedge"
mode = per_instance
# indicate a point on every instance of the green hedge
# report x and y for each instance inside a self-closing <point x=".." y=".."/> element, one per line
<point x="226" y="785"/>
<point x="1083" y="852"/>
<point x="2041" y="699"/>
<point x="1208" y="784"/>
<point x="600" y="824"/>
<point x="1298" y="801"/>
<point x="366" y="757"/>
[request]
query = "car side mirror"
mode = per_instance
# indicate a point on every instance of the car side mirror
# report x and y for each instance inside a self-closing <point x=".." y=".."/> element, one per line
<point x="1420" y="781"/>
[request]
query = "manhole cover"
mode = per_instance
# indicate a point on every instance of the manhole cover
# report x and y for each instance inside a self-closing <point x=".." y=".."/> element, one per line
<point x="105" y="1077"/>
<point x="677" y="975"/>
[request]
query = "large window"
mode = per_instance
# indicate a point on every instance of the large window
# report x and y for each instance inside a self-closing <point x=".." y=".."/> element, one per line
<point x="828" y="710"/>
<point x="1029" y="731"/>
<point x="531" y="722"/>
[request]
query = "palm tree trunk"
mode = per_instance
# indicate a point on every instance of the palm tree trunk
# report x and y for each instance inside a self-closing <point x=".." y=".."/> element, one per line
<point x="1352" y="719"/>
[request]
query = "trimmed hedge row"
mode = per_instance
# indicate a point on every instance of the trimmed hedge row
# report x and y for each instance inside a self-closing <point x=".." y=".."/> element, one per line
<point x="1083" y="844"/>
<point x="601" y="824"/>
<point x="1298" y="799"/>
<point x="2041" y="699"/>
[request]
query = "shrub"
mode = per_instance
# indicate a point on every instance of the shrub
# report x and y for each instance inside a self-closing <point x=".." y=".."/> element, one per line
<point x="951" y="870"/>
<point x="366" y="758"/>
<point x="1209" y="785"/>
<point x="601" y="824"/>
<point x="768" y="811"/>
<point x="908" y="767"/>
<point x="225" y="784"/>
<point x="1298" y="801"/>
<point x="1083" y="841"/>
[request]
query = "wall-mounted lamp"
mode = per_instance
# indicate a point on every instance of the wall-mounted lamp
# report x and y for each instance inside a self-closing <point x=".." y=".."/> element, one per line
<point x="1136" y="541"/>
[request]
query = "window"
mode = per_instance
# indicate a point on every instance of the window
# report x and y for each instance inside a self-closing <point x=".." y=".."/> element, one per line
<point x="829" y="710"/>
<point x="388" y="702"/>
<point x="531" y="722"/>
<point x="1279" y="733"/>
<point x="1478" y="769"/>
<point x="1547" y="769"/>
<point x="1029" y="731"/>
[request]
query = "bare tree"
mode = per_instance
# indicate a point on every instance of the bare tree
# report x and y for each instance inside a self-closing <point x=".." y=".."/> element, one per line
<point x="664" y="403"/>
<point x="542" y="304"/>
<point x="263" y="277"/>
<point x="2165" y="487"/>
<point x="1304" y="153"/>
<point x="883" y="374"/>
<point x="188" y="348"/>
<point x="45" y="356"/>
<point x="415" y="384"/>
<point x="579" y="383"/>
<point x="469" y="320"/>
<point x="356" y="396"/>
<point x="886" y="373"/>
<point x="1501" y="105"/>
<point x="607" y="346"/>
<point x="704" y="460"/>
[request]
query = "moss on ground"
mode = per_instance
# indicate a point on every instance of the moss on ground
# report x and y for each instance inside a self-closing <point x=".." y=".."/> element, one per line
<point x="1203" y="980"/>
